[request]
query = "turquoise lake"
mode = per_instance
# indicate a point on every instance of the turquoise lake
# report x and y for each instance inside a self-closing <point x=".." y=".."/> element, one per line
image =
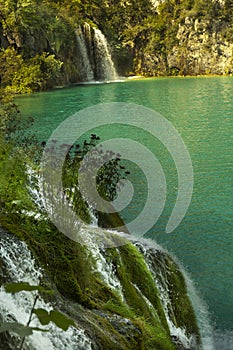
<point x="201" y="110"/>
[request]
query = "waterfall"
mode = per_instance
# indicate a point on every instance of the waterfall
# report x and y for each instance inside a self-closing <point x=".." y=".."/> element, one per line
<point x="107" y="271"/>
<point x="202" y="314"/>
<point x="105" y="69"/>
<point x="95" y="59"/>
<point x="150" y="250"/>
<point x="157" y="263"/>
<point x="223" y="339"/>
<point x="94" y="219"/>
<point x="86" y="68"/>
<point x="156" y="259"/>
<point x="20" y="266"/>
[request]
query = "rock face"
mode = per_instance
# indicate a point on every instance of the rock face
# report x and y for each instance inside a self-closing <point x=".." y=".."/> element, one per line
<point x="201" y="49"/>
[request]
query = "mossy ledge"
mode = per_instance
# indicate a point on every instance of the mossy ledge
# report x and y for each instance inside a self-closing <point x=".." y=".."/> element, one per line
<point x="80" y="291"/>
<point x="114" y="294"/>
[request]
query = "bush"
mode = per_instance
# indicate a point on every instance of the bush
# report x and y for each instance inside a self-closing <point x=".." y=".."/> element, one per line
<point x="24" y="76"/>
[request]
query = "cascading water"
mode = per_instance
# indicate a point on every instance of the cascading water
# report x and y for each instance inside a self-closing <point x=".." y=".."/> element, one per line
<point x="150" y="250"/>
<point x="95" y="59"/>
<point x="202" y="314"/>
<point x="159" y="269"/>
<point x="105" y="69"/>
<point x="18" y="265"/>
<point x="86" y="68"/>
<point x="155" y="257"/>
<point x="157" y="261"/>
<point x="21" y="267"/>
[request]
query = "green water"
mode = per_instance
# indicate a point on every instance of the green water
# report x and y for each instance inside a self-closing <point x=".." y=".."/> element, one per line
<point x="201" y="109"/>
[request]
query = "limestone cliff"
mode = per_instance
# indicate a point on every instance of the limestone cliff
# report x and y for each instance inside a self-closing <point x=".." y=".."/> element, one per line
<point x="201" y="49"/>
<point x="186" y="41"/>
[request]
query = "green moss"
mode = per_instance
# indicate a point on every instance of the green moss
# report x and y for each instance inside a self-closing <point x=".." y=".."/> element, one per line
<point x="136" y="267"/>
<point x="137" y="283"/>
<point x="71" y="271"/>
<point x="111" y="220"/>
<point x="62" y="260"/>
<point x="132" y="341"/>
<point x="183" y="310"/>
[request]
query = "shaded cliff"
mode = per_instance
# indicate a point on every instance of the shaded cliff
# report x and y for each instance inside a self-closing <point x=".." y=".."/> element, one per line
<point x="200" y="49"/>
<point x="186" y="38"/>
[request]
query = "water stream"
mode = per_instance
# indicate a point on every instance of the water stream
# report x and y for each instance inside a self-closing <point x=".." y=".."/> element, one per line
<point x="20" y="266"/>
<point x="96" y="62"/>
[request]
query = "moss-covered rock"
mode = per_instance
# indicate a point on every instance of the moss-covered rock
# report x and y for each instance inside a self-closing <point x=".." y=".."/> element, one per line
<point x="116" y="294"/>
<point x="133" y="318"/>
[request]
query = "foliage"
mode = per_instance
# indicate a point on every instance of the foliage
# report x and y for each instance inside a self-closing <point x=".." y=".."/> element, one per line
<point x="45" y="317"/>
<point x="24" y="76"/>
<point x="65" y="260"/>
<point x="18" y="328"/>
<point x="110" y="173"/>
<point x="24" y="286"/>
<point x="39" y="50"/>
<point x="13" y="193"/>
<point x="54" y="316"/>
<point x="107" y="180"/>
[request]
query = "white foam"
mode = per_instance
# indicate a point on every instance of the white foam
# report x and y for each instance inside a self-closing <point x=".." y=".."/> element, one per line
<point x="21" y="267"/>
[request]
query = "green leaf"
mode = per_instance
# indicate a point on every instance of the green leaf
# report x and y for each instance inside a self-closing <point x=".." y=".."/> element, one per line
<point x="56" y="317"/>
<point x="43" y="316"/>
<point x="18" y="328"/>
<point x="18" y="287"/>
<point x="61" y="320"/>
<point x="40" y="329"/>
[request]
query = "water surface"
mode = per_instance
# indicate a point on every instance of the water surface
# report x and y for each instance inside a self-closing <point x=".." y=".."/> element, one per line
<point x="201" y="109"/>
